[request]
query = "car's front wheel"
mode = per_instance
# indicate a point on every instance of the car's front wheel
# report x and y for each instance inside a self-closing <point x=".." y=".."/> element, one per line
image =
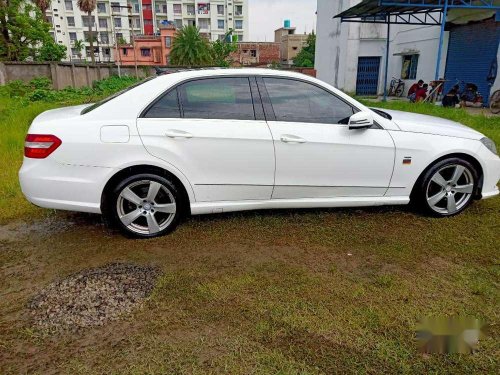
<point x="145" y="206"/>
<point x="447" y="188"/>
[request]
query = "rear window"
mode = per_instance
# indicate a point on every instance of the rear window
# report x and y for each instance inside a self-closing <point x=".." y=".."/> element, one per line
<point x="90" y="108"/>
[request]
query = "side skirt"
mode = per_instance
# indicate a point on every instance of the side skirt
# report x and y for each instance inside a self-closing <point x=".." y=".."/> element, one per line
<point x="200" y="208"/>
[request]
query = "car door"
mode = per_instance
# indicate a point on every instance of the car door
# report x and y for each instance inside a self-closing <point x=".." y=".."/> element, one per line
<point x="317" y="155"/>
<point x="213" y="132"/>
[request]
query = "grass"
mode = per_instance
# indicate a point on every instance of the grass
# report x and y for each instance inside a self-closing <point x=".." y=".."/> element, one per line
<point x="288" y="292"/>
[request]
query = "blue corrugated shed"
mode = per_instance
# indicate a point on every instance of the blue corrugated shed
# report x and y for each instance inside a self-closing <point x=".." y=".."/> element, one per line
<point x="471" y="50"/>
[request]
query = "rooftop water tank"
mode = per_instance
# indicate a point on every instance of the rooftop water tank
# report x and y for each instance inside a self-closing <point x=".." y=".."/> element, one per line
<point x="287" y="24"/>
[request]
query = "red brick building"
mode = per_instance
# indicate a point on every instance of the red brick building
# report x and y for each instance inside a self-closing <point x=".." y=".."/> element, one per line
<point x="148" y="49"/>
<point x="256" y="53"/>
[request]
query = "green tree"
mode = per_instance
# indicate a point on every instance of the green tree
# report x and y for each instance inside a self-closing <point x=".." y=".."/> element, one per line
<point x="51" y="51"/>
<point x="88" y="6"/>
<point x="23" y="30"/>
<point x="189" y="48"/>
<point x="78" y="45"/>
<point x="305" y="57"/>
<point x="221" y="50"/>
<point x="43" y="5"/>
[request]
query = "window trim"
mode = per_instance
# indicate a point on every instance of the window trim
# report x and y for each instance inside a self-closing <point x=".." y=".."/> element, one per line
<point x="256" y="100"/>
<point x="268" y="107"/>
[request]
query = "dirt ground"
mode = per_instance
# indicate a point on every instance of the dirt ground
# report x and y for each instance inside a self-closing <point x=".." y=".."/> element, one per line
<point x="321" y="291"/>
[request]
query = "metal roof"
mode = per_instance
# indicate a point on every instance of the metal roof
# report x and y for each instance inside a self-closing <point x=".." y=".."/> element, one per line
<point x="420" y="12"/>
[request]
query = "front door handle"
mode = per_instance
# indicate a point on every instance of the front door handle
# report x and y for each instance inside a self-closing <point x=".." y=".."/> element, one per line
<point x="174" y="133"/>
<point x="292" y="139"/>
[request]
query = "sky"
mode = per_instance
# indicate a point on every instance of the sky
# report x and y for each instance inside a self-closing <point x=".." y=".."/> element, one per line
<point x="268" y="15"/>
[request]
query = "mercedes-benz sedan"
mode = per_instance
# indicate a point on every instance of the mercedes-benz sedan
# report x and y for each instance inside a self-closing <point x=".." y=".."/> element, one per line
<point x="212" y="141"/>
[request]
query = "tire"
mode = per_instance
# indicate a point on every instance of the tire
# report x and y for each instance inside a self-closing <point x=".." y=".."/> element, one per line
<point x="140" y="212"/>
<point x="440" y="193"/>
<point x="400" y="90"/>
<point x="495" y="102"/>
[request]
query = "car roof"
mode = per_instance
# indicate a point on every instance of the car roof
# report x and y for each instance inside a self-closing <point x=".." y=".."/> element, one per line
<point x="217" y="72"/>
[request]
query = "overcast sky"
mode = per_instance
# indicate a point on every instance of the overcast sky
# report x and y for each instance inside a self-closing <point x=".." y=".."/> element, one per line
<point x="268" y="15"/>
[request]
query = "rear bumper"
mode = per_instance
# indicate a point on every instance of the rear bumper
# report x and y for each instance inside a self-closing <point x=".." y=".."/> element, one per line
<point x="49" y="184"/>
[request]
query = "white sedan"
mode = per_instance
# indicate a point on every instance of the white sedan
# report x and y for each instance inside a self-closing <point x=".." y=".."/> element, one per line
<point x="211" y="141"/>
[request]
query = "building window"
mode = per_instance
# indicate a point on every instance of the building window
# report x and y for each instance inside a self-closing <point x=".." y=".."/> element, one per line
<point x="238" y="24"/>
<point x="72" y="36"/>
<point x="135" y="7"/>
<point x="177" y="9"/>
<point x="137" y="23"/>
<point x="178" y="24"/>
<point x="119" y="38"/>
<point x="203" y="23"/>
<point x="124" y="51"/>
<point x="145" y="52"/>
<point x="190" y="10"/>
<point x="71" y="21"/>
<point x="191" y="22"/>
<point x="409" y="69"/>
<point x="146" y="6"/>
<point x="220" y="10"/>
<point x="104" y="37"/>
<point x="115" y="7"/>
<point x="68" y="4"/>
<point x="86" y="21"/>
<point x="103" y="23"/>
<point x="164" y="8"/>
<point x="49" y="19"/>
<point x="53" y="36"/>
<point x="238" y="11"/>
<point x="240" y="38"/>
<point x="74" y="52"/>
<point x="203" y="8"/>
<point x="101" y="7"/>
<point x="86" y="36"/>
<point x="107" y="51"/>
<point x="118" y="22"/>
<point x="220" y="24"/>
<point x="253" y="53"/>
<point x="168" y="41"/>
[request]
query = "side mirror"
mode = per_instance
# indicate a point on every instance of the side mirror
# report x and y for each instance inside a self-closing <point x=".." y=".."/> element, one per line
<point x="361" y="120"/>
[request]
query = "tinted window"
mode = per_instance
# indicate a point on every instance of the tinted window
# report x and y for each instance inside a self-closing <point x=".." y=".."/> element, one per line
<point x="297" y="101"/>
<point x="166" y="107"/>
<point x="218" y="98"/>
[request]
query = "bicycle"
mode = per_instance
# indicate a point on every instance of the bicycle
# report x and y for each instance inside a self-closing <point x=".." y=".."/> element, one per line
<point x="397" y="87"/>
<point x="495" y="102"/>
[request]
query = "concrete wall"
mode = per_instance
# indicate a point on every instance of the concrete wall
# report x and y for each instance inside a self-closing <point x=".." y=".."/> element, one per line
<point x="65" y="75"/>
<point x="339" y="45"/>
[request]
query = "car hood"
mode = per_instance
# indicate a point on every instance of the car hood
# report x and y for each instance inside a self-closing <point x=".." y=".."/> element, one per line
<point x="60" y="113"/>
<point x="414" y="122"/>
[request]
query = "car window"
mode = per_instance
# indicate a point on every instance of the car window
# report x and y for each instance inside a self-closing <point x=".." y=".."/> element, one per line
<point x="297" y="101"/>
<point x="166" y="107"/>
<point x="218" y="98"/>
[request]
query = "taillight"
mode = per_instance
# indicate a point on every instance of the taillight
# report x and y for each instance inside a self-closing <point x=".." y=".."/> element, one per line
<point x="39" y="146"/>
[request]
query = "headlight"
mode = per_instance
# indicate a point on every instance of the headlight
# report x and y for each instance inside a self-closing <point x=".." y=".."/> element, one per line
<point x="490" y="145"/>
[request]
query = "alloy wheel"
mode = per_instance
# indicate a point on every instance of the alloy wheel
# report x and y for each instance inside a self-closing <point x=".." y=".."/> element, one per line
<point x="450" y="189"/>
<point x="146" y="207"/>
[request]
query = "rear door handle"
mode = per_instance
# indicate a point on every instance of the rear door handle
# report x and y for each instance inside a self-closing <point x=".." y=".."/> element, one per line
<point x="174" y="133"/>
<point x="292" y="139"/>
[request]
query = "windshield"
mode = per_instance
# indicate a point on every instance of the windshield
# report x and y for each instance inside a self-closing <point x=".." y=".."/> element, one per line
<point x="101" y="102"/>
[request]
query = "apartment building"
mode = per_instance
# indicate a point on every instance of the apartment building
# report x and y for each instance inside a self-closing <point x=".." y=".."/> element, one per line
<point x="120" y="20"/>
<point x="291" y="43"/>
<point x="110" y="21"/>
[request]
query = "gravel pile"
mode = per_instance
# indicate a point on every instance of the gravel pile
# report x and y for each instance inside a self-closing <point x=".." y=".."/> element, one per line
<point x="92" y="297"/>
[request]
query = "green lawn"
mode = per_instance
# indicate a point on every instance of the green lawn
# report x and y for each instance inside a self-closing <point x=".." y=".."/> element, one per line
<point x="288" y="292"/>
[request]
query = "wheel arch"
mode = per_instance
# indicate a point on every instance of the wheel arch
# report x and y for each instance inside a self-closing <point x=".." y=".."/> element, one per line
<point x="471" y="159"/>
<point x="144" y="168"/>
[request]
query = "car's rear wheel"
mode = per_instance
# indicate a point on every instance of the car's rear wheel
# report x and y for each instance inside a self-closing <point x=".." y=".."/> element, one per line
<point x="447" y="188"/>
<point x="145" y="206"/>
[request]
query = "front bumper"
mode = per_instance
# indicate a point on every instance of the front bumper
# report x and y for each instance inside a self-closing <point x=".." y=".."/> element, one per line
<point x="491" y="173"/>
<point x="49" y="184"/>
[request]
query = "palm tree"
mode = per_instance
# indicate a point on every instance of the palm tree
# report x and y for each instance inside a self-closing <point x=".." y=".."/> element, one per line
<point x="88" y="6"/>
<point x="78" y="45"/>
<point x="43" y="5"/>
<point x="189" y="48"/>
